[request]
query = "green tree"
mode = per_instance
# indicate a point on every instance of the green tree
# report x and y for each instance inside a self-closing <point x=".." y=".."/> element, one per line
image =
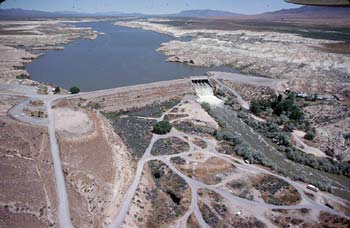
<point x="74" y="90"/>
<point x="162" y="128"/>
<point x="310" y="135"/>
<point x="57" y="90"/>
<point x="296" y="113"/>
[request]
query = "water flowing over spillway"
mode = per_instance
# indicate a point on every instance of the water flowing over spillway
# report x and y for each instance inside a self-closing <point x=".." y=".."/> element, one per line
<point x="206" y="95"/>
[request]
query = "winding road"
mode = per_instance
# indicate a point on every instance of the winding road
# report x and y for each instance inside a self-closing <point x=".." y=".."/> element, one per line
<point x="258" y="209"/>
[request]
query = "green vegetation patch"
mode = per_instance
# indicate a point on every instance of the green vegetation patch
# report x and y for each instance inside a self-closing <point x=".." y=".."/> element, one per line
<point x="279" y="106"/>
<point x="162" y="128"/>
<point x="74" y="90"/>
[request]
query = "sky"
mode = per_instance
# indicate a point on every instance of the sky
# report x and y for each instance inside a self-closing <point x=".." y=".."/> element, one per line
<point x="149" y="6"/>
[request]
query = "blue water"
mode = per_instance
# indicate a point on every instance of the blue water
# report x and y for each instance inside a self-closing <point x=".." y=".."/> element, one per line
<point x="121" y="57"/>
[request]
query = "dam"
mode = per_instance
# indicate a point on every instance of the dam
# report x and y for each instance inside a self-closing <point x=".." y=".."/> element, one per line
<point x="205" y="91"/>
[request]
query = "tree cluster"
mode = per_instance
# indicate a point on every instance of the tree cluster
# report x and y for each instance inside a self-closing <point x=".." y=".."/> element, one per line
<point x="162" y="128"/>
<point x="279" y="105"/>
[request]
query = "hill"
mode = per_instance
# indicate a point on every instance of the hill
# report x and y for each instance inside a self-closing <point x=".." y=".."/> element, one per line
<point x="21" y="13"/>
<point x="205" y="13"/>
<point x="313" y="11"/>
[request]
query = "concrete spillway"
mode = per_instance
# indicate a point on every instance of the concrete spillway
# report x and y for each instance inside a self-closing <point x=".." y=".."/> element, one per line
<point x="205" y="92"/>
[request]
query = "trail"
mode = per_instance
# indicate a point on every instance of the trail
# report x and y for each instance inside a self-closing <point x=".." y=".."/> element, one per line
<point x="258" y="209"/>
<point x="64" y="217"/>
<point x="63" y="205"/>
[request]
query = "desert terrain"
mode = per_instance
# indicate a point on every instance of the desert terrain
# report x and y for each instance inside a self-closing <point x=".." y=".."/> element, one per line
<point x="222" y="150"/>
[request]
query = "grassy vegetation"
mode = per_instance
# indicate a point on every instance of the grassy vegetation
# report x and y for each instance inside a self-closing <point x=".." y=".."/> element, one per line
<point x="190" y="128"/>
<point x="112" y="115"/>
<point x="169" y="146"/>
<point x="137" y="132"/>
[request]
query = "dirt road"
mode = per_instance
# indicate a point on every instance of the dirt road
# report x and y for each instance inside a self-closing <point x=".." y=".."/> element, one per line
<point x="258" y="209"/>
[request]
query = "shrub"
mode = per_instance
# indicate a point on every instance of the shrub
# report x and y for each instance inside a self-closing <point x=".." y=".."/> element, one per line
<point x="23" y="76"/>
<point x="259" y="105"/>
<point x="57" y="90"/>
<point x="310" y="135"/>
<point x="74" y="90"/>
<point x="162" y="127"/>
<point x="253" y="156"/>
<point x="227" y="136"/>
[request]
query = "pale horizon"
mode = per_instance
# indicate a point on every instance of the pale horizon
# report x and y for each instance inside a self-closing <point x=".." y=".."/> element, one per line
<point x="150" y="6"/>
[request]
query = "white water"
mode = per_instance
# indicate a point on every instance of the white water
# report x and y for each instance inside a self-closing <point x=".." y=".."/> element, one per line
<point x="206" y="95"/>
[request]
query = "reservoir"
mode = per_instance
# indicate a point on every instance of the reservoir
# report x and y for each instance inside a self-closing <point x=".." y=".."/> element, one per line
<point x="121" y="57"/>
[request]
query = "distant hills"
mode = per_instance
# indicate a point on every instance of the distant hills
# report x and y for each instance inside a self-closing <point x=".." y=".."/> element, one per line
<point x="205" y="13"/>
<point x="314" y="11"/>
<point x="304" y="11"/>
<point x="21" y="13"/>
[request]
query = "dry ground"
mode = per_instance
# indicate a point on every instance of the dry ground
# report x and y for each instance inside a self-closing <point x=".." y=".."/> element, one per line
<point x="96" y="164"/>
<point x="27" y="181"/>
<point x="162" y="197"/>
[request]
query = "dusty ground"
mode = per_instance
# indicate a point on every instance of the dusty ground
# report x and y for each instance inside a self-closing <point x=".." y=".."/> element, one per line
<point x="27" y="182"/>
<point x="219" y="213"/>
<point x="195" y="114"/>
<point x="125" y="98"/>
<point x="334" y="139"/>
<point x="300" y="218"/>
<point x="332" y="128"/>
<point x="96" y="164"/>
<point x="162" y="198"/>
<point x="249" y="92"/>
<point x="210" y="171"/>
<point x="73" y="121"/>
<point x="299" y="141"/>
